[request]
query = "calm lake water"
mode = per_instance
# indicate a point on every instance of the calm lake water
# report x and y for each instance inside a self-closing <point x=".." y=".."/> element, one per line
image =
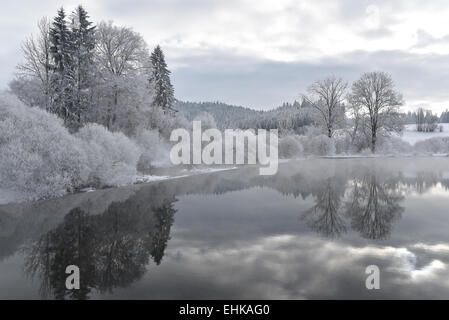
<point x="308" y="232"/>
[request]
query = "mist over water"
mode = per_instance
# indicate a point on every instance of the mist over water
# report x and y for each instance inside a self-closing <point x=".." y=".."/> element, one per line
<point x="307" y="232"/>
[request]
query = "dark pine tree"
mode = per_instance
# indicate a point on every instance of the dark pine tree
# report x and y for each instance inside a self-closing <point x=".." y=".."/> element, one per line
<point x="445" y="117"/>
<point x="160" y="80"/>
<point x="83" y="41"/>
<point x="164" y="220"/>
<point x="62" y="81"/>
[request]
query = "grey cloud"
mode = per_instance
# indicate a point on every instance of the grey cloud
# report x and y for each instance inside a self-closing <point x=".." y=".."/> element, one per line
<point x="205" y="69"/>
<point x="267" y="84"/>
<point x="425" y="39"/>
<point x="376" y="33"/>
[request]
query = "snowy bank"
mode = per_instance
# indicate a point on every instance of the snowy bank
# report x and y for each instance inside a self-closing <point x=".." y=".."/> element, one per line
<point x="40" y="158"/>
<point x="412" y="136"/>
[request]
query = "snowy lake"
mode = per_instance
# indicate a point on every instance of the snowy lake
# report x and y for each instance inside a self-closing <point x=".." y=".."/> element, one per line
<point x="308" y="232"/>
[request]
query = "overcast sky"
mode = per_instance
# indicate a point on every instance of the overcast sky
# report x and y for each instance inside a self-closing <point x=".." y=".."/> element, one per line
<point x="261" y="53"/>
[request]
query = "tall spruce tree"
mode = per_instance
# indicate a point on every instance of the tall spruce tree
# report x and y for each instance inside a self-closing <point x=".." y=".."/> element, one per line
<point x="445" y="117"/>
<point x="83" y="41"/>
<point x="62" y="82"/>
<point x="160" y="80"/>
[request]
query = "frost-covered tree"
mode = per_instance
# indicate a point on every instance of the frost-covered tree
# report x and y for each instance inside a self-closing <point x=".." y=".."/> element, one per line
<point x="426" y="121"/>
<point x="120" y="51"/>
<point x="327" y="97"/>
<point x="32" y="85"/>
<point x="29" y="90"/>
<point x="409" y="117"/>
<point x="62" y="82"/>
<point x="121" y="59"/>
<point x="357" y="128"/>
<point x="444" y="117"/>
<point x="160" y="81"/>
<point x="420" y="120"/>
<point x="83" y="41"/>
<point x="378" y="101"/>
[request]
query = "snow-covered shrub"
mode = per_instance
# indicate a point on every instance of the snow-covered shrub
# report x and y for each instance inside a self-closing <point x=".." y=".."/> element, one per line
<point x="112" y="156"/>
<point x="290" y="147"/>
<point x="155" y="151"/>
<point x="320" y="145"/>
<point x="323" y="145"/>
<point x="366" y="152"/>
<point x="28" y="90"/>
<point x="312" y="131"/>
<point x="38" y="156"/>
<point x="343" y="143"/>
<point x="181" y="122"/>
<point x="207" y="121"/>
<point x="433" y="145"/>
<point x="392" y="145"/>
<point x="164" y="123"/>
<point x="240" y="141"/>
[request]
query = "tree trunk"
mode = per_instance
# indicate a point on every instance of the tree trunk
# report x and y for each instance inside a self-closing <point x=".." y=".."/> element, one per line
<point x="373" y="142"/>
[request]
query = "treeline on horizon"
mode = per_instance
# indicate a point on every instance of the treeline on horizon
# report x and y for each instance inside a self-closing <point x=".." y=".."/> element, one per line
<point x="228" y="115"/>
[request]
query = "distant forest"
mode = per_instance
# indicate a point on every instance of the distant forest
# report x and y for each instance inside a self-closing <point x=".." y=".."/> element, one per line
<point x="294" y="115"/>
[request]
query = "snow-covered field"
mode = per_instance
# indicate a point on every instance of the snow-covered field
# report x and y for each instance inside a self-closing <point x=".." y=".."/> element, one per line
<point x="412" y="136"/>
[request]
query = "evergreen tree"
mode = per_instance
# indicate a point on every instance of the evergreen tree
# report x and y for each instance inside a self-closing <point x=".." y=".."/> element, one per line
<point x="160" y="80"/>
<point x="445" y="117"/>
<point x="83" y="41"/>
<point x="164" y="220"/>
<point x="61" y="50"/>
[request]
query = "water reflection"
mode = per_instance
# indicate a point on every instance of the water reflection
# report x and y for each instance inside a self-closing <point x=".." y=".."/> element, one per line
<point x="326" y="216"/>
<point x="371" y="203"/>
<point x="373" y="206"/>
<point x="111" y="249"/>
<point x="115" y="235"/>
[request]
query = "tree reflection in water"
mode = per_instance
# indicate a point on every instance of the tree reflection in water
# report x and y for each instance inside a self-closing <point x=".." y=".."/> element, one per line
<point x="111" y="249"/>
<point x="325" y="216"/>
<point x="373" y="206"/>
<point x="370" y="203"/>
